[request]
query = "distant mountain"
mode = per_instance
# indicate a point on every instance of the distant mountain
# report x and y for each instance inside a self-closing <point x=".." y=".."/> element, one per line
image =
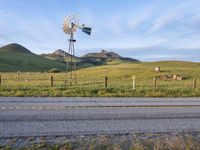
<point x="57" y="54"/>
<point x="106" y="57"/>
<point x="60" y="56"/>
<point x="103" y="54"/>
<point x="14" y="57"/>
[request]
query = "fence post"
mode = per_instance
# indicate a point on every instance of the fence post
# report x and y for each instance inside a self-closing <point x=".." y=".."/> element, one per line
<point x="194" y="83"/>
<point x="106" y="82"/>
<point x="133" y="77"/>
<point x="0" y="80"/>
<point x="18" y="76"/>
<point x="154" y="82"/>
<point x="51" y="81"/>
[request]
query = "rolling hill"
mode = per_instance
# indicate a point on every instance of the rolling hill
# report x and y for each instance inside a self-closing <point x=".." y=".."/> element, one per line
<point x="14" y="57"/>
<point x="91" y="59"/>
<point x="106" y="58"/>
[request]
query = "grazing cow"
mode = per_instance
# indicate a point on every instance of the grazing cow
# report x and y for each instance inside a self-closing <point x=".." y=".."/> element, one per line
<point x="180" y="78"/>
<point x="174" y="77"/>
<point x="177" y="77"/>
<point x="157" y="69"/>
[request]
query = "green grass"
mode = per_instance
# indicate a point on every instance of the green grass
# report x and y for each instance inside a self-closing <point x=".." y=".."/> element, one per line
<point x="90" y="81"/>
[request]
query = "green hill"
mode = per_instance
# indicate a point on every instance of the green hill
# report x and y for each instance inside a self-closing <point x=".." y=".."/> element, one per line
<point x="14" y="57"/>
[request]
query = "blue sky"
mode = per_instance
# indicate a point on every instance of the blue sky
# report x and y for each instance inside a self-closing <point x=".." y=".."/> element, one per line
<point x="148" y="30"/>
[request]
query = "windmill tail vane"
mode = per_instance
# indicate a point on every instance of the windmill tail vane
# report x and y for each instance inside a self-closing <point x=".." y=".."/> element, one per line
<point x="87" y="30"/>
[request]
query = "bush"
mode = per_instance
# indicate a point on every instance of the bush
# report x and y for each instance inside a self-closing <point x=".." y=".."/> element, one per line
<point x="54" y="70"/>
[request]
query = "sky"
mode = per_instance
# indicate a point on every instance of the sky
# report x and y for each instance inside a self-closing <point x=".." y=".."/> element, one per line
<point x="149" y="30"/>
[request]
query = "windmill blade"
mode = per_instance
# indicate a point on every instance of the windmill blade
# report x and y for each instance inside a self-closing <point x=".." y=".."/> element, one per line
<point x="71" y="23"/>
<point x="87" y="30"/>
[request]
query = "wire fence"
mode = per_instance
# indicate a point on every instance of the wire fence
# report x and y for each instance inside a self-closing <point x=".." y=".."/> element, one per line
<point x="62" y="80"/>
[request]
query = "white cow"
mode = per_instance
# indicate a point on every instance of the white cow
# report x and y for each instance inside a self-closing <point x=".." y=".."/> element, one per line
<point x="157" y="69"/>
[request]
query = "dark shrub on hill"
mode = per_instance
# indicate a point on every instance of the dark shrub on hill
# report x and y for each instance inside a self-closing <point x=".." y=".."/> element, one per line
<point x="54" y="70"/>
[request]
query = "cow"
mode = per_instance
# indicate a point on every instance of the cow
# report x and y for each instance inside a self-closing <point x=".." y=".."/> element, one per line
<point x="157" y="69"/>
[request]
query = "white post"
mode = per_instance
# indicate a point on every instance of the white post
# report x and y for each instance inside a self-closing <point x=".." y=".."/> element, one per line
<point x="133" y="77"/>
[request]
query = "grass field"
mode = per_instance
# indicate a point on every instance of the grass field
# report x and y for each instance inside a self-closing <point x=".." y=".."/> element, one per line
<point x="90" y="81"/>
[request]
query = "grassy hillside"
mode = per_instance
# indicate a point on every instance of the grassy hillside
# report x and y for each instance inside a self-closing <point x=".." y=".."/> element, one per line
<point x="144" y="72"/>
<point x="14" y="58"/>
<point x="90" y="81"/>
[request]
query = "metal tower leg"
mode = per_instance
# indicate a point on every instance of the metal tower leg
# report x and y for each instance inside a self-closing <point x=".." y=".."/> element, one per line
<point x="71" y="64"/>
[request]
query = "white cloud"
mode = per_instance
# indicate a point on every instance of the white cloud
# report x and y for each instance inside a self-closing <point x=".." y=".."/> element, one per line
<point x="6" y="14"/>
<point x="179" y="16"/>
<point x="163" y="21"/>
<point x="138" y="20"/>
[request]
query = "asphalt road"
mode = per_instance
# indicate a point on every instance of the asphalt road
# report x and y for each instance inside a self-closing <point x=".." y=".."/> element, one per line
<point x="80" y="116"/>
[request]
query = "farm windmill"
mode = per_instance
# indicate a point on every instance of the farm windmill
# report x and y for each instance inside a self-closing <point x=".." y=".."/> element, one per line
<point x="71" y="25"/>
